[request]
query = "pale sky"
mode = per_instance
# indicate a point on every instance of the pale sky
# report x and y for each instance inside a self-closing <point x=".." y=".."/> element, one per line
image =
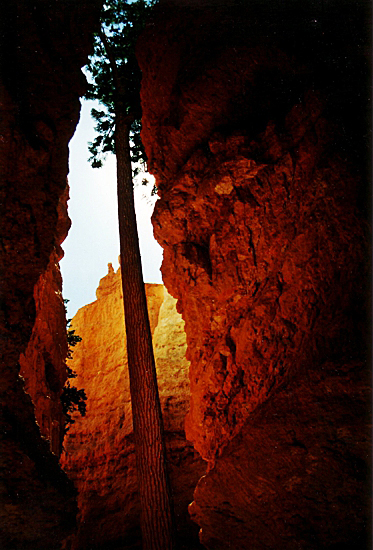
<point x="93" y="239"/>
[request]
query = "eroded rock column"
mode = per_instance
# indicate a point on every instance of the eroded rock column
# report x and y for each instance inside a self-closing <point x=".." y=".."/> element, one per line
<point x="99" y="448"/>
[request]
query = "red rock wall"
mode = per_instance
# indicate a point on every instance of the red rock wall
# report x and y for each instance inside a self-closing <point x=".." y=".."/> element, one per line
<point x="99" y="449"/>
<point x="43" y="364"/>
<point x="46" y="43"/>
<point x="247" y="125"/>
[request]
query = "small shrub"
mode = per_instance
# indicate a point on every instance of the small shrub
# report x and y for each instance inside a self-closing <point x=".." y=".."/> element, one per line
<point x="72" y="399"/>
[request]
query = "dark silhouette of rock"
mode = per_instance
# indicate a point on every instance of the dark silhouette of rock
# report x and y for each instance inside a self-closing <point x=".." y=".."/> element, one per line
<point x="44" y="44"/>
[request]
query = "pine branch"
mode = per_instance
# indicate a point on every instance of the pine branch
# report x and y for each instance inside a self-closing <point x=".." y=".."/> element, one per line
<point x="119" y="89"/>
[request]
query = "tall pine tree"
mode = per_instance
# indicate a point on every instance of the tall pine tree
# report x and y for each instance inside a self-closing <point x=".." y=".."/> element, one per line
<point x="115" y="77"/>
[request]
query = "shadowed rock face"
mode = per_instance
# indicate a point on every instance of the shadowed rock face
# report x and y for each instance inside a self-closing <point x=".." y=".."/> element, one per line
<point x="99" y="448"/>
<point x="247" y="126"/>
<point x="43" y="364"/>
<point x="297" y="475"/>
<point x="45" y="44"/>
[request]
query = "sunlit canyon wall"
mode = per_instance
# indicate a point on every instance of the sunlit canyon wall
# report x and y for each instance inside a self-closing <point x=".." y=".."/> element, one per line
<point x="44" y="44"/>
<point x="99" y="448"/>
<point x="253" y="123"/>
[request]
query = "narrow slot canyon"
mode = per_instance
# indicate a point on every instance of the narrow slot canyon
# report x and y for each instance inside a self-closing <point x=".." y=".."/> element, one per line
<point x="256" y="126"/>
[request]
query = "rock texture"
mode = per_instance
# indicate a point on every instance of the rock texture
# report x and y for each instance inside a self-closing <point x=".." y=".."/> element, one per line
<point x="46" y="43"/>
<point x="297" y="475"/>
<point x="99" y="448"/>
<point x="260" y="169"/>
<point x="43" y="364"/>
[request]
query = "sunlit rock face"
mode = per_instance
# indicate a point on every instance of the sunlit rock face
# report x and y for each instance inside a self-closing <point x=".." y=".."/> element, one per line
<point x="247" y="127"/>
<point x="99" y="448"/>
<point x="45" y="45"/>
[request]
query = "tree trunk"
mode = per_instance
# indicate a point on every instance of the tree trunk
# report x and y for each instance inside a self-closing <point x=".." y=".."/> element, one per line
<point x="155" y="498"/>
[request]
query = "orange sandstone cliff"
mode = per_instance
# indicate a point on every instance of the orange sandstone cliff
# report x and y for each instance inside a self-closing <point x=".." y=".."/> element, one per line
<point x="99" y="448"/>
<point x="259" y="161"/>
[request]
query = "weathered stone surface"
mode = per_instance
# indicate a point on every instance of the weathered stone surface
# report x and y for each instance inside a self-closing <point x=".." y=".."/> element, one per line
<point x="46" y="43"/>
<point x="99" y="449"/>
<point x="301" y="459"/>
<point x="259" y="168"/>
<point x="43" y="364"/>
<point x="259" y="262"/>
